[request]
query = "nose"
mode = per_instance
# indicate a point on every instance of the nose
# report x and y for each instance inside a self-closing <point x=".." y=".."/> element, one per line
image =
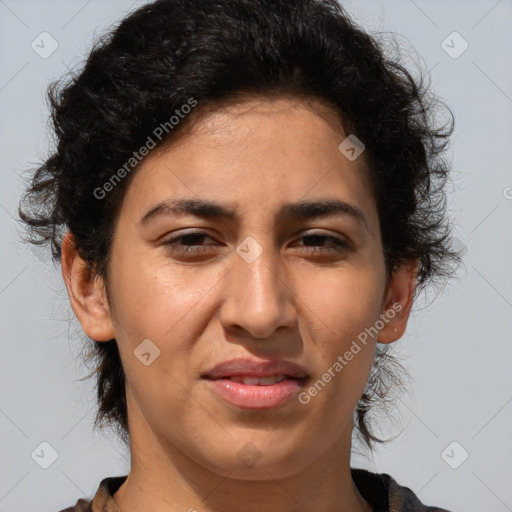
<point x="258" y="297"/>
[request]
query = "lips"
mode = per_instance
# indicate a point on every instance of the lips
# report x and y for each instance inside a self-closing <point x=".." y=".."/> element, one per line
<point x="256" y="384"/>
<point x="251" y="369"/>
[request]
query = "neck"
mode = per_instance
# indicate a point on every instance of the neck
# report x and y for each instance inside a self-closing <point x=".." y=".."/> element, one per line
<point x="164" y="479"/>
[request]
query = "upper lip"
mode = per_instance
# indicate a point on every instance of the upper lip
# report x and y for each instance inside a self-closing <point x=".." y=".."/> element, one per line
<point x="255" y="368"/>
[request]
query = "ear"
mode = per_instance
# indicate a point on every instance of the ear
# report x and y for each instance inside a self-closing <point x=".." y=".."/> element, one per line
<point x="398" y="303"/>
<point x="86" y="292"/>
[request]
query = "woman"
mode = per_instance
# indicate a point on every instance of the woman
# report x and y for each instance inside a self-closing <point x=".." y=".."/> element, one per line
<point x="246" y="198"/>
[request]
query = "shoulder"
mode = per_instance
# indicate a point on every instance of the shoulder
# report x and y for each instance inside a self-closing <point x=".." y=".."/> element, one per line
<point x="81" y="506"/>
<point x="385" y="493"/>
<point x="103" y="499"/>
<point x="403" y="498"/>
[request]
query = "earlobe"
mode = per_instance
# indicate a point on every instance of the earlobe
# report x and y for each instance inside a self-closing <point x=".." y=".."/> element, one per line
<point x="86" y="292"/>
<point x="398" y="303"/>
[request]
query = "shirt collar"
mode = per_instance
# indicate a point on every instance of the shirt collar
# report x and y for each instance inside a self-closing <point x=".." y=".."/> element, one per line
<point x="378" y="489"/>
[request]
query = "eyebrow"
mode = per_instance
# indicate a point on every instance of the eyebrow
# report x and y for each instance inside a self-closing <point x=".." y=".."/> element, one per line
<point x="299" y="210"/>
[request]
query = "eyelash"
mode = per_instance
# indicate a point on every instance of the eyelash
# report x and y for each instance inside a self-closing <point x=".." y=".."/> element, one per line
<point x="341" y="245"/>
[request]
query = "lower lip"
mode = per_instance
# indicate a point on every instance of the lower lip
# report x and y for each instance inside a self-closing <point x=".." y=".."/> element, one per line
<point x="256" y="397"/>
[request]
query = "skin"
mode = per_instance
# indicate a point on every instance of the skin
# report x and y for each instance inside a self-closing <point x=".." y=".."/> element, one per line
<point x="296" y="301"/>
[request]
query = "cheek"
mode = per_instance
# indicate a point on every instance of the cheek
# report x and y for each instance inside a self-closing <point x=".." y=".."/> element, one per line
<point x="341" y="303"/>
<point x="164" y="304"/>
<point x="168" y="305"/>
<point x="342" y="307"/>
<point x="156" y="299"/>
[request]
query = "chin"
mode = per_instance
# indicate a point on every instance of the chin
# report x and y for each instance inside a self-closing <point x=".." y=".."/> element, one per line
<point x="252" y="464"/>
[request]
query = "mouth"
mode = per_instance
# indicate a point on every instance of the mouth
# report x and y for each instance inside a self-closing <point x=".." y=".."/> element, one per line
<point x="250" y="383"/>
<point x="250" y="392"/>
<point x="252" y="380"/>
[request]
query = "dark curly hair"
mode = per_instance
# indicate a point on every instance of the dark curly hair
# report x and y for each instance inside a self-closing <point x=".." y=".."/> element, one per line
<point x="166" y="52"/>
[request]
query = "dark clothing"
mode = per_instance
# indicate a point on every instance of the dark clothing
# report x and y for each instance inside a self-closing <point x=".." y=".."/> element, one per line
<point x="379" y="489"/>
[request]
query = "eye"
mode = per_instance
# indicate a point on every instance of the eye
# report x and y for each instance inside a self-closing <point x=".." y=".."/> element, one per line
<point x="192" y="246"/>
<point x="316" y="240"/>
<point x="190" y="243"/>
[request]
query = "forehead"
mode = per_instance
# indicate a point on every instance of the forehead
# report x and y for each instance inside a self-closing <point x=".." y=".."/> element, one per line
<point x="259" y="153"/>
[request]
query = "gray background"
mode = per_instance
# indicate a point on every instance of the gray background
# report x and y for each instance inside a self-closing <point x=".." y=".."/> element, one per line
<point x="456" y="348"/>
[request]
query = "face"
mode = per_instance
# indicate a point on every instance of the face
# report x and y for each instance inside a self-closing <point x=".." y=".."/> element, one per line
<point x="198" y="288"/>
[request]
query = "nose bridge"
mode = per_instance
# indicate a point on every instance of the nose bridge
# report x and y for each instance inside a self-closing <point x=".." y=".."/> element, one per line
<point x="257" y="296"/>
